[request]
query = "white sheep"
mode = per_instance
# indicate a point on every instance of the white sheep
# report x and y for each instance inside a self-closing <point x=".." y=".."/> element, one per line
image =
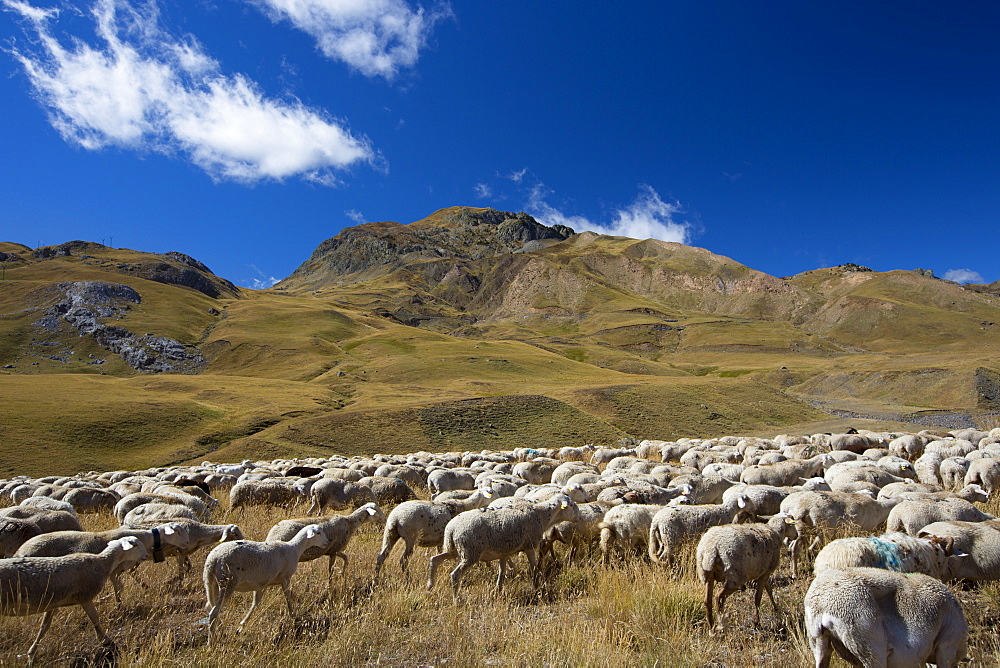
<point x="199" y="535"/>
<point x="736" y="554"/>
<point x="626" y="526"/>
<point x="338" y="529"/>
<point x="33" y="585"/>
<point x="585" y="530"/>
<point x="488" y="534"/>
<point x="157" y="512"/>
<point x="245" y="565"/>
<point x="423" y="523"/>
<point x="338" y="494"/>
<point x="60" y="543"/>
<point x="913" y="515"/>
<point x="979" y="540"/>
<point x="673" y="524"/>
<point x="984" y="472"/>
<point x="875" y="617"/>
<point x="892" y="551"/>
<point x="815" y="512"/>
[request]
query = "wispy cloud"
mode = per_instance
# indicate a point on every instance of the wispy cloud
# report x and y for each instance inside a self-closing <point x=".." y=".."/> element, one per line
<point x="138" y="87"/>
<point x="647" y="217"/>
<point x="517" y="175"/>
<point x="261" y="281"/>
<point x="482" y="191"/>
<point x="375" y="37"/>
<point x="963" y="276"/>
<point x="356" y="216"/>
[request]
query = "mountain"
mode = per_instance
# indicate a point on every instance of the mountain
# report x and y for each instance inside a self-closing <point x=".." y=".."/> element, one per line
<point x="467" y="329"/>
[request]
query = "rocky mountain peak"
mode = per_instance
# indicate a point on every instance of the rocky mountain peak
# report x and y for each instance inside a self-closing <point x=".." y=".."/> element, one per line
<point x="461" y="233"/>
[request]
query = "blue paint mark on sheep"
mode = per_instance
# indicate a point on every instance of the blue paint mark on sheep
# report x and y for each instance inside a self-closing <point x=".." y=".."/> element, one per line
<point x="888" y="555"/>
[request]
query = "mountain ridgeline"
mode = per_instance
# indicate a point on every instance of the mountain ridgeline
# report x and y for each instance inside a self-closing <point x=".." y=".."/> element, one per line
<point x="468" y="328"/>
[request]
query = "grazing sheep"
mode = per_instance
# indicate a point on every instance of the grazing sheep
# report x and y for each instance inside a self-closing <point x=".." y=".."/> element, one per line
<point x="157" y="512"/>
<point x="952" y="472"/>
<point x="736" y="554"/>
<point x="971" y="493"/>
<point x="245" y="565"/>
<point x="984" y="472"/>
<point x="388" y="491"/>
<point x="783" y="474"/>
<point x="132" y="501"/>
<point x="927" y="468"/>
<point x="627" y="526"/>
<point x="875" y="617"/>
<point x="338" y="494"/>
<point x="979" y="540"/>
<point x="673" y="524"/>
<point x="892" y="551"/>
<point x="338" y="530"/>
<point x="423" y="523"/>
<point x="910" y="446"/>
<point x="585" y="530"/>
<point x="14" y="533"/>
<point x="449" y="480"/>
<point x="32" y="585"/>
<point x="815" y="512"/>
<point x="266" y="492"/>
<point x="499" y="533"/>
<point x="45" y="520"/>
<point x="59" y="543"/>
<point x="46" y="503"/>
<point x="913" y="515"/>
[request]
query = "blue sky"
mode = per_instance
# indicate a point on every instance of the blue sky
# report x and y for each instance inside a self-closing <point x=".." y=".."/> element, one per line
<point x="786" y="135"/>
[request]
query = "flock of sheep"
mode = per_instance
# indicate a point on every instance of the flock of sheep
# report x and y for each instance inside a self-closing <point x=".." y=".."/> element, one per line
<point x="877" y="600"/>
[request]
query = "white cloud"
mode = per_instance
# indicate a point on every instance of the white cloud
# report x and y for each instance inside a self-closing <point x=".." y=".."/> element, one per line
<point x="648" y="217"/>
<point x="356" y="216"/>
<point x="375" y="37"/>
<point x="138" y="87"/>
<point x="517" y="175"/>
<point x="963" y="276"/>
<point x="482" y="191"/>
<point x="262" y="281"/>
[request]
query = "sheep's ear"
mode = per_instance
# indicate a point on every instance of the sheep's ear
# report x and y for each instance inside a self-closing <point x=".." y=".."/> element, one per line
<point x="168" y="529"/>
<point x="371" y="511"/>
<point x="128" y="544"/>
<point x="741" y="501"/>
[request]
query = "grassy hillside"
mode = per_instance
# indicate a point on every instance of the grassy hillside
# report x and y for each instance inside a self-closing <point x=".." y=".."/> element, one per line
<point x="520" y="335"/>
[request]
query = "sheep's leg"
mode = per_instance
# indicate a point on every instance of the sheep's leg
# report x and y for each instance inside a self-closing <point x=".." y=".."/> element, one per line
<point x="757" y="595"/>
<point x="501" y="572"/>
<point x="46" y="621"/>
<point x="720" y="603"/>
<point x="388" y="542"/>
<point x="822" y="649"/>
<point x="286" y="589"/>
<point x="217" y="597"/>
<point x="435" y="562"/>
<point x="770" y="594"/>
<point x="457" y="574"/>
<point x="532" y="566"/>
<point x="91" y="611"/>
<point x="404" y="560"/>
<point x="709" y="590"/>
<point x="333" y="559"/>
<point x="258" y="596"/>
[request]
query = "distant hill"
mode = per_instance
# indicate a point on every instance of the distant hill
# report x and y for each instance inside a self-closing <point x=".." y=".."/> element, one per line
<point x="468" y="328"/>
